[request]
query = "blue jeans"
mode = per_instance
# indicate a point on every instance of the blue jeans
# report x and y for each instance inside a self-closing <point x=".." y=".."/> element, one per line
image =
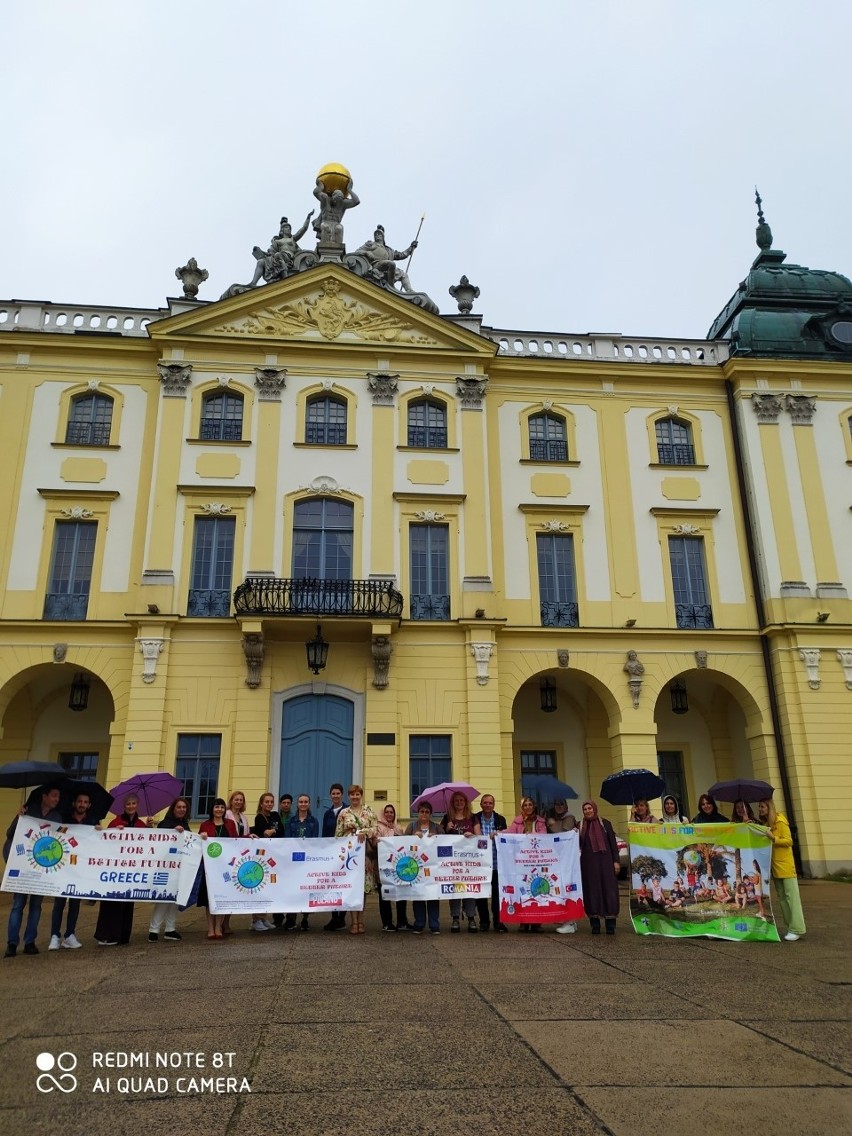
<point x="421" y="908"/>
<point x="16" y="916"/>
<point x="56" y="917"/>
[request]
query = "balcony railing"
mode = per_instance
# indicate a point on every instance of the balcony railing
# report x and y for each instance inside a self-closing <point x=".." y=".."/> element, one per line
<point x="696" y="616"/>
<point x="63" y="605"/>
<point x="427" y="437"/>
<point x="548" y="450"/>
<point x="221" y="430"/>
<point x="679" y="453"/>
<point x="209" y="603"/>
<point x="362" y="599"/>
<point x="559" y="614"/>
<point x="430" y="607"/>
<point x="87" y="433"/>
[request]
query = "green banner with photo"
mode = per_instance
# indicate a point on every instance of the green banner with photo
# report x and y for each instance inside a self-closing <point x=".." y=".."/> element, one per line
<point x="701" y="879"/>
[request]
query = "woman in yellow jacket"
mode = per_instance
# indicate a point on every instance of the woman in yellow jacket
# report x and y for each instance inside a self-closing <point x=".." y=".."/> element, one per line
<point x="783" y="869"/>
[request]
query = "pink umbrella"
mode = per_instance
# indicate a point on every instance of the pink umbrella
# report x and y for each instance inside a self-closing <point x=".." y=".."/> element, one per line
<point x="155" y="792"/>
<point x="439" y="796"/>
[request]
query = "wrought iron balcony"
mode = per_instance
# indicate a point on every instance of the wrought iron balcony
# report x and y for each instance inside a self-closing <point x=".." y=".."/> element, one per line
<point x="221" y="430"/>
<point x="548" y="450"/>
<point x="209" y="603"/>
<point x="559" y="614"/>
<point x="695" y="616"/>
<point x="675" y="453"/>
<point x="427" y="437"/>
<point x="430" y="607"/>
<point x="64" y="605"/>
<point x="362" y="599"/>
<point x="87" y="433"/>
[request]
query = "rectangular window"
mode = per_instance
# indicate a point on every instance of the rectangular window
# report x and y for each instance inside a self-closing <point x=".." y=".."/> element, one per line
<point x="212" y="567"/>
<point x="670" y="763"/>
<point x="536" y="763"/>
<point x="79" y="765"/>
<point x="689" y="580"/>
<point x="197" y="766"/>
<point x="430" y="571"/>
<point x="557" y="580"/>
<point x="71" y="570"/>
<point x="430" y="761"/>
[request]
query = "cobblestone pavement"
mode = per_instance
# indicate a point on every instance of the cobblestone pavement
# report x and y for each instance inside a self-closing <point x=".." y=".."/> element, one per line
<point x="490" y="1033"/>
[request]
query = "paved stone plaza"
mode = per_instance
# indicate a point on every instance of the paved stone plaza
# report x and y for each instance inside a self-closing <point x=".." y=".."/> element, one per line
<point x="486" y="1034"/>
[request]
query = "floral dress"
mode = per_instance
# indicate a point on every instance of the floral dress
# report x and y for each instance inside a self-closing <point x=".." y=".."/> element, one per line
<point x="350" y="823"/>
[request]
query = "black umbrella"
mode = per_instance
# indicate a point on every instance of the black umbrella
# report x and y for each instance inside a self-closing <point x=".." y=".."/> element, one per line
<point x="100" y="798"/>
<point x="21" y="774"/>
<point x="631" y="785"/>
<point x="547" y="787"/>
<point x="739" y="790"/>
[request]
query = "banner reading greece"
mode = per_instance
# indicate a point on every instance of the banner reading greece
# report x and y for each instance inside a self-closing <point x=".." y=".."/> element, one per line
<point x="539" y="878"/>
<point x="317" y="874"/>
<point x="701" y="879"/>
<point x="81" y="862"/>
<point x="435" y="867"/>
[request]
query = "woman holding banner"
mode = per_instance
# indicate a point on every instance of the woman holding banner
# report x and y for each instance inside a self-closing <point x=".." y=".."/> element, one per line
<point x="359" y="820"/>
<point x="599" y="868"/>
<point x="422" y="828"/>
<point x="115" y="918"/>
<point x="387" y="826"/>
<point x="218" y="826"/>
<point x="529" y="821"/>
<point x="458" y="821"/>
<point x="783" y="869"/>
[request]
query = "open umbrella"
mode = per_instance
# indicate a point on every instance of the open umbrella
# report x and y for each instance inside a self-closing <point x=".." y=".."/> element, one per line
<point x="439" y="796"/>
<point x="549" y="788"/>
<point x="630" y="785"/>
<point x="22" y="774"/>
<point x="155" y="792"/>
<point x="739" y="790"/>
<point x="100" y="798"/>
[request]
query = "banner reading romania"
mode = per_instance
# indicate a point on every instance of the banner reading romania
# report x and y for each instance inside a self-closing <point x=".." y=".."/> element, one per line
<point x="701" y="879"/>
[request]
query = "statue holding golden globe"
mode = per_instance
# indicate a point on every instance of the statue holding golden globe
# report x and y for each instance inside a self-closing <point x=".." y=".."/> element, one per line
<point x="334" y="192"/>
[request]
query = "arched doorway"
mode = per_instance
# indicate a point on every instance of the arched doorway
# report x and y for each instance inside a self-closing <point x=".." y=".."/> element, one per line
<point x="317" y="733"/>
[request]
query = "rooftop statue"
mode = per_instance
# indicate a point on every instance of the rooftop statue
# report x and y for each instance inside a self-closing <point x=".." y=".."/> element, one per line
<point x="334" y="202"/>
<point x="277" y="262"/>
<point x="382" y="258"/>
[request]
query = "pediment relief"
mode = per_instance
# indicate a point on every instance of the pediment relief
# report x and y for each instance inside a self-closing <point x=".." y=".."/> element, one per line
<point x="328" y="313"/>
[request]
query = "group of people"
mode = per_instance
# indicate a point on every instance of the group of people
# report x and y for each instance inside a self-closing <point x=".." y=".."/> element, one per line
<point x="748" y="889"/>
<point x="599" y="863"/>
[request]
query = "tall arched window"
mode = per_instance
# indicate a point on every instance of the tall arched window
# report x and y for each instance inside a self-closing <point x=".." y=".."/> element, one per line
<point x="322" y="539"/>
<point x="674" y="442"/>
<point x="90" y="421"/>
<point x="325" y="422"/>
<point x="548" y="441"/>
<point x="222" y="417"/>
<point x="427" y="424"/>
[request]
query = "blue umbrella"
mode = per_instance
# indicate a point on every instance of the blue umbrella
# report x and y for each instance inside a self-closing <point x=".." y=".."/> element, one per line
<point x="630" y="785"/>
<point x="548" y="787"/>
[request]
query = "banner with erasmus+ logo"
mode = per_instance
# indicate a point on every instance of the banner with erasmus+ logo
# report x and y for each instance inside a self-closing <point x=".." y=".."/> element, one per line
<point x="280" y="875"/>
<point x="81" y="862"/>
<point x="434" y="867"/>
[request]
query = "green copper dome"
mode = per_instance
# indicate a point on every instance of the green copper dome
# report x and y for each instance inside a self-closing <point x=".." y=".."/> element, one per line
<point x="786" y="309"/>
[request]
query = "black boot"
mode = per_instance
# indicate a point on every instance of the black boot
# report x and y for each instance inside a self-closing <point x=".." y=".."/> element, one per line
<point x="595" y="924"/>
<point x="610" y="925"/>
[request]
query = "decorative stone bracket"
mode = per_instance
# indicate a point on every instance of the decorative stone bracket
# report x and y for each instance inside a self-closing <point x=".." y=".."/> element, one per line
<point x="810" y="657"/>
<point x="383" y="387"/>
<point x="482" y="653"/>
<point x="382" y="650"/>
<point x="767" y="407"/>
<point x="253" y="651"/>
<point x="175" y="378"/>
<point x="269" y="383"/>
<point x="701" y="660"/>
<point x="801" y="409"/>
<point x="471" y="392"/>
<point x="844" y="657"/>
<point x="151" y="650"/>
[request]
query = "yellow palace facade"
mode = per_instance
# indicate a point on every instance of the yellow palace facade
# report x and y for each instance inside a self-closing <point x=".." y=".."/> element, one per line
<point x="315" y="531"/>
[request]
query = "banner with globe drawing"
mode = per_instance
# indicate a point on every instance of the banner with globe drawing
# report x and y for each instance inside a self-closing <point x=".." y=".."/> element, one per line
<point x="539" y="878"/>
<point x="281" y="875"/>
<point x="81" y="862"/>
<point x="434" y="867"/>
<point x="701" y="879"/>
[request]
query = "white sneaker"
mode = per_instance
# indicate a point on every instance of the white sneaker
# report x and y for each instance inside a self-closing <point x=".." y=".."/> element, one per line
<point x="71" y="942"/>
<point x="267" y="926"/>
<point x="566" y="928"/>
<point x="259" y="925"/>
<point x="791" y="937"/>
<point x="55" y="944"/>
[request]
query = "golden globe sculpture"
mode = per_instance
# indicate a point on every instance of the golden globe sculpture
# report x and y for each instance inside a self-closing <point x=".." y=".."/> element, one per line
<point x="334" y="176"/>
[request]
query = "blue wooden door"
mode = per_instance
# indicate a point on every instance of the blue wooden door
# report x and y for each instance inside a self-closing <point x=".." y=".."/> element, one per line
<point x="316" y="747"/>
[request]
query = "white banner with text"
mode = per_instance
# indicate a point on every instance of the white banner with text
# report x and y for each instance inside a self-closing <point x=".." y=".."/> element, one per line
<point x="435" y="867"/>
<point x="539" y="878"/>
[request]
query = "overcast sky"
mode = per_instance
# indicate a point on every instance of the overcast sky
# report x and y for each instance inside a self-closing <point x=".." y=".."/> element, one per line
<point x="589" y="165"/>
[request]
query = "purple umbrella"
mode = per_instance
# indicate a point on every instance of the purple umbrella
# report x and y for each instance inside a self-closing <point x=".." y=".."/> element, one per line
<point x="155" y="792"/>
<point x="748" y="791"/>
<point x="439" y="796"/>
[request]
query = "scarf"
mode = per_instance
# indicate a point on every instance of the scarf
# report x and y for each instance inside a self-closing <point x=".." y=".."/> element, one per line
<point x="594" y="829"/>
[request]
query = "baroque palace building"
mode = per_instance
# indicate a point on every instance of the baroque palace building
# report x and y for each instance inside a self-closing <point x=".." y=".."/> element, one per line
<point x="502" y="553"/>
